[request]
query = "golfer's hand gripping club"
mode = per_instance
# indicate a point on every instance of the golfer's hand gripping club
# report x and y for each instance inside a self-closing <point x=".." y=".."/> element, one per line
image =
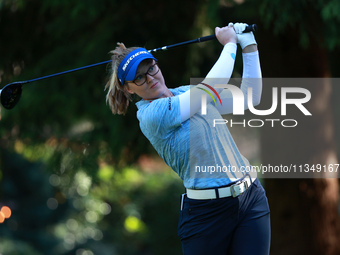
<point x="244" y="39"/>
<point x="226" y="35"/>
<point x="248" y="28"/>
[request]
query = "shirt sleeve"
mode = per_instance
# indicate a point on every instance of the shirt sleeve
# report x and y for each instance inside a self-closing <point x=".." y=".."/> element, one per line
<point x="220" y="73"/>
<point x="159" y="118"/>
<point x="251" y="78"/>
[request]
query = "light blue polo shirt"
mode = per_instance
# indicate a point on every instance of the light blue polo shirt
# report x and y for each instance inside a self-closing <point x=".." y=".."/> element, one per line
<point x="203" y="155"/>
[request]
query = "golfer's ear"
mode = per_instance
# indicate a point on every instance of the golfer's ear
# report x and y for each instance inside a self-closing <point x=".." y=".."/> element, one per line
<point x="128" y="89"/>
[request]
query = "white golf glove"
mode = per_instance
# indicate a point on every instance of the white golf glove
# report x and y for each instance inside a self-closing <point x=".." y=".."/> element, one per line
<point x="244" y="39"/>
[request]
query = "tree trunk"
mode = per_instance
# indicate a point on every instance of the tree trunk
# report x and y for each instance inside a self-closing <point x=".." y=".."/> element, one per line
<point x="304" y="212"/>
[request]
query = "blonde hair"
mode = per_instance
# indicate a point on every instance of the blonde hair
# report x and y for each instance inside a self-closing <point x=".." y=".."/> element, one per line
<point x="117" y="96"/>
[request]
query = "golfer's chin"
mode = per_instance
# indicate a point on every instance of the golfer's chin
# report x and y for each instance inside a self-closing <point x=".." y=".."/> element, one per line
<point x="157" y="92"/>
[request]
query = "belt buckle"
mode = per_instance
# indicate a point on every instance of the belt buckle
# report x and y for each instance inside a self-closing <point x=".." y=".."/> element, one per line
<point x="235" y="192"/>
<point x="246" y="185"/>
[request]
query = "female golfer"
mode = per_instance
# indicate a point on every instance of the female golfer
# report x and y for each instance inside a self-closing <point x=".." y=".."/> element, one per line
<point x="225" y="209"/>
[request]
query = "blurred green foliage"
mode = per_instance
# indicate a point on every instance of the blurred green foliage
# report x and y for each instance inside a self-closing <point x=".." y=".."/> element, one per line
<point x="317" y="19"/>
<point x="118" y="211"/>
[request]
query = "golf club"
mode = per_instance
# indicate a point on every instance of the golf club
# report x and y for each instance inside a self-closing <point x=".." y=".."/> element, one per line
<point x="11" y="93"/>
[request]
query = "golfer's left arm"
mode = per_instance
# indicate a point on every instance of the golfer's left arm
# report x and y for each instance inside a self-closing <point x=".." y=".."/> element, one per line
<point x="251" y="77"/>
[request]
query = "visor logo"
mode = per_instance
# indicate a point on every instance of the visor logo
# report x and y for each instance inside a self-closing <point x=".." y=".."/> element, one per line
<point x="132" y="57"/>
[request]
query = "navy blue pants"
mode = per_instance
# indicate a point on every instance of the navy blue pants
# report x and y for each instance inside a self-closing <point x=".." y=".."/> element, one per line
<point x="226" y="226"/>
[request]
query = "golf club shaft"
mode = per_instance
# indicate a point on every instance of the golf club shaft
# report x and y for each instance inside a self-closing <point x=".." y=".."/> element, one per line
<point x="68" y="71"/>
<point x="198" y="40"/>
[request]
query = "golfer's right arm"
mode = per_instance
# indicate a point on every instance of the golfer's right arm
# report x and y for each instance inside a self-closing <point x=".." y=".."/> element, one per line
<point x="190" y="101"/>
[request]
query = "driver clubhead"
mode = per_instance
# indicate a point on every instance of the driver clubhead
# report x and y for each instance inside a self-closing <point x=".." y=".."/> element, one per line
<point x="10" y="94"/>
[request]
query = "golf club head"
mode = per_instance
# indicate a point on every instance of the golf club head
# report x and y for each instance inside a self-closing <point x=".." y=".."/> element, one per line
<point x="10" y="94"/>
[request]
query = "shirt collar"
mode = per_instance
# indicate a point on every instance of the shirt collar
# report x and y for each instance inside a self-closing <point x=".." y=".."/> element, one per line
<point x="143" y="102"/>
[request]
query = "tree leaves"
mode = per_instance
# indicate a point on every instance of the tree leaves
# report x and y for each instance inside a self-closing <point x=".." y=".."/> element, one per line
<point x="318" y="19"/>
